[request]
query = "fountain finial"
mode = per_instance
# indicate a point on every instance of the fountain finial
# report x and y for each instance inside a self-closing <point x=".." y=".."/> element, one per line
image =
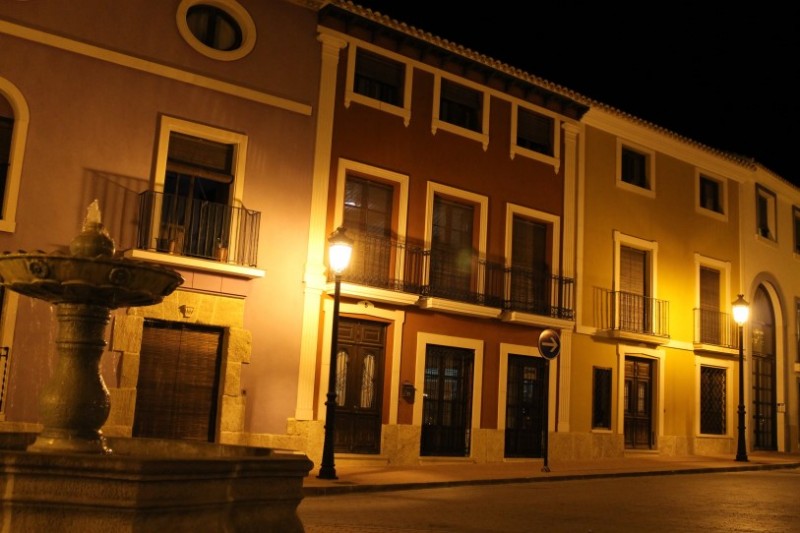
<point x="94" y="240"/>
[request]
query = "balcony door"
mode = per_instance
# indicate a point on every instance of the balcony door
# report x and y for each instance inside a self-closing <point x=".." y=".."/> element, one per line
<point x="368" y="215"/>
<point x="634" y="290"/>
<point x="451" y="262"/>
<point x="195" y="214"/>
<point x="529" y="272"/>
<point x="710" y="319"/>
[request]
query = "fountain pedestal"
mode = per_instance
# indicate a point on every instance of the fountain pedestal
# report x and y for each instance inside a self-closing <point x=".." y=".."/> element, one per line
<point x="70" y="477"/>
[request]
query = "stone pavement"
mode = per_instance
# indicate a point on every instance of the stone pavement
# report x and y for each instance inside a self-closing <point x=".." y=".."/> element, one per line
<point x="365" y="473"/>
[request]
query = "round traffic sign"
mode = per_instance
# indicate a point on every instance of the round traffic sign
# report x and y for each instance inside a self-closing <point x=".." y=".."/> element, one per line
<point x="549" y="344"/>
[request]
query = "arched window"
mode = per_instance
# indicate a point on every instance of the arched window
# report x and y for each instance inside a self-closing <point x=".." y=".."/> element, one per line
<point x="14" y="117"/>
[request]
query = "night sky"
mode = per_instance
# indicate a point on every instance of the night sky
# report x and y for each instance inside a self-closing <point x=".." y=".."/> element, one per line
<point x="726" y="77"/>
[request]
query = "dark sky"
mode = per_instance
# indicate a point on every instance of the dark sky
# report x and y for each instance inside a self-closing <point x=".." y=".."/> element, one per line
<point x="721" y="75"/>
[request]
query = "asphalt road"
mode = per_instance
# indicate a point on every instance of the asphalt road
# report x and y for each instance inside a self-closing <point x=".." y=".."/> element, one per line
<point x="755" y="501"/>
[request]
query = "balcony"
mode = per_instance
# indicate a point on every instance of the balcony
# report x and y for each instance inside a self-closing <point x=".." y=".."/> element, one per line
<point x="632" y="316"/>
<point x="394" y="271"/>
<point x="715" y="331"/>
<point x="193" y="229"/>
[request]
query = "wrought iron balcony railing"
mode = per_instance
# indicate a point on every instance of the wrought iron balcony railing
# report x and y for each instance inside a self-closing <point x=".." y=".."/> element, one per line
<point x="715" y="328"/>
<point x="633" y="313"/>
<point x="195" y="228"/>
<point x="384" y="263"/>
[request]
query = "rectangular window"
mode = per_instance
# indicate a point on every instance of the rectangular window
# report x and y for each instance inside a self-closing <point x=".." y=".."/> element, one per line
<point x="379" y="78"/>
<point x="368" y="215"/>
<point x="601" y="398"/>
<point x="530" y="277"/>
<point x="535" y="131"/>
<point x="634" y="278"/>
<point x="796" y="220"/>
<point x="195" y="214"/>
<point x="711" y="194"/>
<point x="634" y="168"/>
<point x="460" y="106"/>
<point x="710" y="316"/>
<point x="712" y="400"/>
<point x="766" y="220"/>
<point x="452" y="255"/>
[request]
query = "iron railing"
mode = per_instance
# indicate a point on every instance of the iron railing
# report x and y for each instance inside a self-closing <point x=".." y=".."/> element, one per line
<point x="195" y="228"/>
<point x="381" y="262"/>
<point x="633" y="313"/>
<point x="715" y="328"/>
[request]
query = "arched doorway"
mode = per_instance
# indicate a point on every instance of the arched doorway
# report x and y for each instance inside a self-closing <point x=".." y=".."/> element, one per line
<point x="764" y="371"/>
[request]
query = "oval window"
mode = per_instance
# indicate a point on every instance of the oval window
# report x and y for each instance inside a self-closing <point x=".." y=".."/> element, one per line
<point x="220" y="29"/>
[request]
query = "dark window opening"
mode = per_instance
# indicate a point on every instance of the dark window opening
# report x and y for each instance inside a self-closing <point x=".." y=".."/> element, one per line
<point x="601" y="398"/>
<point x="535" y="132"/>
<point x="710" y="194"/>
<point x="214" y="27"/>
<point x="634" y="168"/>
<point x="379" y="78"/>
<point x="460" y="105"/>
<point x="6" y="131"/>
<point x="712" y="400"/>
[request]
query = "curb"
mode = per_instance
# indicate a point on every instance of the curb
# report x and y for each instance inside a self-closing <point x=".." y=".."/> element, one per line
<point x="352" y="488"/>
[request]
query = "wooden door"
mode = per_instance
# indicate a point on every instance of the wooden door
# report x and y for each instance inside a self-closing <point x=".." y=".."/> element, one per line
<point x="359" y="380"/>
<point x="638" y="403"/>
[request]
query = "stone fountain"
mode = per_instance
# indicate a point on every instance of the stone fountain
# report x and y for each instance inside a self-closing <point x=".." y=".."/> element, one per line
<point x="70" y="477"/>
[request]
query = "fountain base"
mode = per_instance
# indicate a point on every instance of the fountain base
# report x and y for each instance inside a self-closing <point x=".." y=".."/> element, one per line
<point x="150" y="485"/>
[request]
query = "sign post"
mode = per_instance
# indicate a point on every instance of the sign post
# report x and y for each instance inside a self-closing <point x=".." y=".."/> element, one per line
<point x="549" y="347"/>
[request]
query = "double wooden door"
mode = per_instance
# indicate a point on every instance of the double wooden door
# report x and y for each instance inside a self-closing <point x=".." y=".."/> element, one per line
<point x="359" y="386"/>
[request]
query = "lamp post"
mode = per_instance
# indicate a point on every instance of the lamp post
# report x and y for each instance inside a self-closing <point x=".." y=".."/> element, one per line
<point x="740" y="311"/>
<point x="339" y="248"/>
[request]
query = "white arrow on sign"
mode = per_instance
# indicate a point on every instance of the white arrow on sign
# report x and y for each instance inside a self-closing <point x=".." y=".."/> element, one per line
<point x="549" y="344"/>
<point x="552" y="343"/>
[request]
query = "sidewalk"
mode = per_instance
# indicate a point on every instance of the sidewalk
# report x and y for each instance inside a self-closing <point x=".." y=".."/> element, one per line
<point x="363" y="475"/>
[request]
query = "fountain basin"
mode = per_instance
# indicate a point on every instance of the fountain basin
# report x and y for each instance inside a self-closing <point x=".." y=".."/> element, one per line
<point x="103" y="281"/>
<point x="151" y="485"/>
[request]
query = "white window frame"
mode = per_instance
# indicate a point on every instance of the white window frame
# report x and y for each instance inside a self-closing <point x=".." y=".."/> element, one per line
<point x="551" y="220"/>
<point x="232" y="8"/>
<point x="19" y="136"/>
<point x="174" y="125"/>
<point x="650" y="247"/>
<point x="649" y="192"/>
<point x="400" y="219"/>
<point x="506" y="350"/>
<point x="477" y="345"/>
<point x="515" y="149"/>
<point x="437" y="124"/>
<point x="482" y="203"/>
<point x="657" y="356"/>
<point x="772" y="213"/>
<point x="351" y="96"/>
<point x="723" y="191"/>
<point x="724" y="269"/>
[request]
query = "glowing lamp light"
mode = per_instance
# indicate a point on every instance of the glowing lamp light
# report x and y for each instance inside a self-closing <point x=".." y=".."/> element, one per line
<point x="340" y="248"/>
<point x="741" y="310"/>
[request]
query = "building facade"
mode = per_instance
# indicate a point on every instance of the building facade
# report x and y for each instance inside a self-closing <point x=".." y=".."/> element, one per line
<point x="486" y="207"/>
<point x="191" y="123"/>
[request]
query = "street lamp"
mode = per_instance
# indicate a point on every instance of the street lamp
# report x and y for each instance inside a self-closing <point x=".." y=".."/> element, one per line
<point x="740" y="311"/>
<point x="340" y="247"/>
